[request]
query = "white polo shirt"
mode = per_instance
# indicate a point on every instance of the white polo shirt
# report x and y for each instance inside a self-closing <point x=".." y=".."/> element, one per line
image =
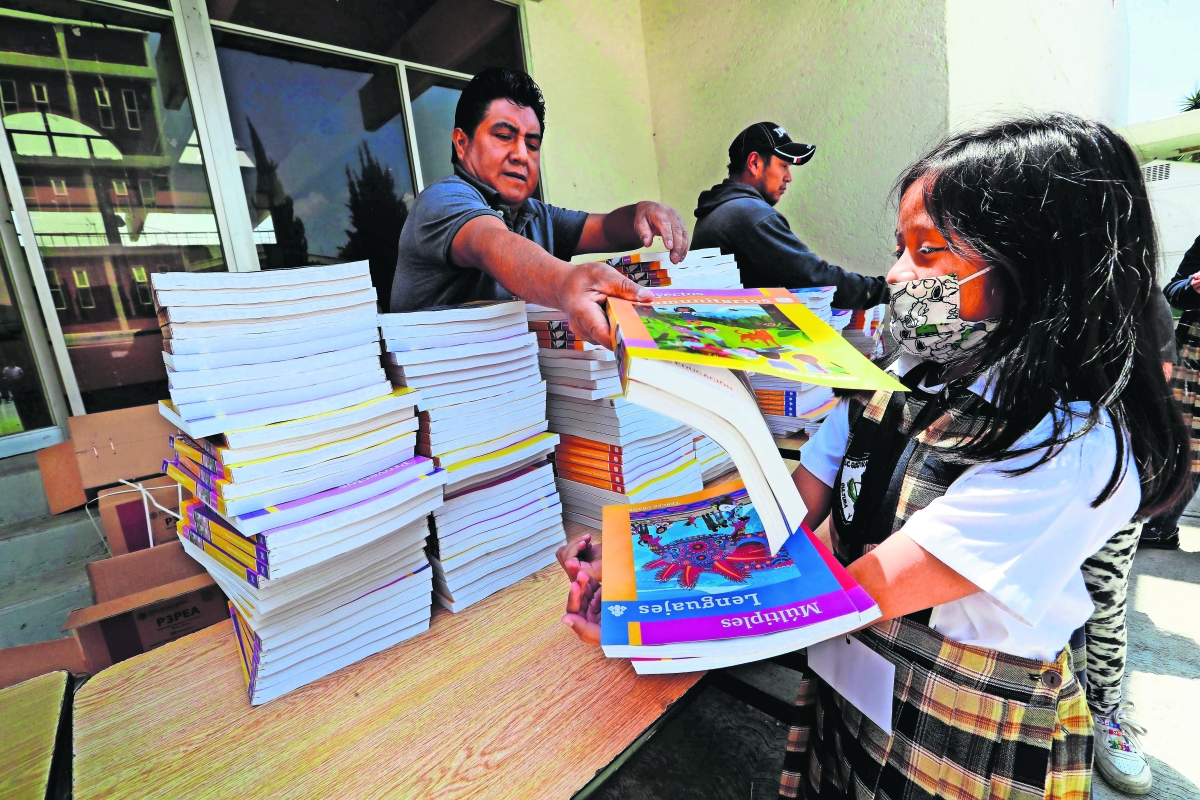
<point x="1021" y="539"/>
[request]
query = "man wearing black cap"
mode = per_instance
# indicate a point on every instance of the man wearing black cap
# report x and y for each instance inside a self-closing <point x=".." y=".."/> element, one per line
<point x="738" y="215"/>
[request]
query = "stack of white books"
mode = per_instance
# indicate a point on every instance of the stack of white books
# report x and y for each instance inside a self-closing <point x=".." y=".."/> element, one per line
<point x="613" y="452"/>
<point x="490" y="535"/>
<point x="864" y="330"/>
<point x="571" y="367"/>
<point x="483" y="421"/>
<point x="817" y="299"/>
<point x="308" y="493"/>
<point x="700" y="269"/>
<point x="791" y="406"/>
<point x="711" y="457"/>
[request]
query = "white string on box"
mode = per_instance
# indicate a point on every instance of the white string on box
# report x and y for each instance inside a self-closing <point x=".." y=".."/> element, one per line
<point x="147" y="500"/>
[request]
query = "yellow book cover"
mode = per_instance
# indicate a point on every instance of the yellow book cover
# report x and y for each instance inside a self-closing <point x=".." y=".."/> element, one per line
<point x="753" y="330"/>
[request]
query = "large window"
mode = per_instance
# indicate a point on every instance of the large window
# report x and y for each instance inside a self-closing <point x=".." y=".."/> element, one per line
<point x="339" y="111"/>
<point x="80" y="138"/>
<point x="330" y="180"/>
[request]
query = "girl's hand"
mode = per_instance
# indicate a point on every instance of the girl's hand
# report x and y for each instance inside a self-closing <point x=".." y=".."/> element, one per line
<point x="583" y="608"/>
<point x="1194" y="282"/>
<point x="580" y="555"/>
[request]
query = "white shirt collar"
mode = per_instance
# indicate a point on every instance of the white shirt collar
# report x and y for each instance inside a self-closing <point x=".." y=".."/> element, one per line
<point x="984" y="385"/>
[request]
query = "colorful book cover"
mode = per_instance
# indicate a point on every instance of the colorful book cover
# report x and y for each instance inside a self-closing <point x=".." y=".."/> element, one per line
<point x="756" y="330"/>
<point x="214" y="528"/>
<point x="202" y="517"/>
<point x="236" y="569"/>
<point x="698" y="568"/>
<point x="415" y="468"/>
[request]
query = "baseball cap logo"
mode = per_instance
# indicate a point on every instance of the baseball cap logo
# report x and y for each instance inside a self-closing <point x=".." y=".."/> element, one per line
<point x="779" y="131"/>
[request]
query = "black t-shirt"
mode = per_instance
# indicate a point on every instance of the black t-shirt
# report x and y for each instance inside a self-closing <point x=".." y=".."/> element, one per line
<point x="425" y="275"/>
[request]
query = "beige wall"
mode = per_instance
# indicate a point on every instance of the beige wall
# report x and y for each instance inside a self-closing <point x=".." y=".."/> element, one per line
<point x="1012" y="56"/>
<point x="588" y="57"/>
<point x="864" y="81"/>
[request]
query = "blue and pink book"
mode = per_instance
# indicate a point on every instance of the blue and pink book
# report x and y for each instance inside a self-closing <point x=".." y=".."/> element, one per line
<point x="690" y="583"/>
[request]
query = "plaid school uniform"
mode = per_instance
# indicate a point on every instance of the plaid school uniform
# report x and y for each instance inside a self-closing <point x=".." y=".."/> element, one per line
<point x="968" y="722"/>
<point x="1185" y="379"/>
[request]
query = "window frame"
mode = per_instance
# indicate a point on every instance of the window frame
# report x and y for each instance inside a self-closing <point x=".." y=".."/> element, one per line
<point x="133" y="116"/>
<point x="104" y="103"/>
<point x="194" y="36"/>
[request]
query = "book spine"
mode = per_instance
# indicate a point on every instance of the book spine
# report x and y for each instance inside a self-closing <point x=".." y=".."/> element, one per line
<point x="240" y="636"/>
<point x="599" y="473"/>
<point x="744" y="622"/>
<point x="231" y="565"/>
<point x="605" y="465"/>
<point x="193" y="484"/>
<point x="187" y="447"/>
<point x="590" y="454"/>
<point x="590" y="481"/>
<point x="232" y="551"/>
<point x="225" y="537"/>
<point x="552" y="325"/>
<point x="578" y="442"/>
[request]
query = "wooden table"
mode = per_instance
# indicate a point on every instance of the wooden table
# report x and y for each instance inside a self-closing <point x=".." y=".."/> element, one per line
<point x="29" y="714"/>
<point x="498" y="701"/>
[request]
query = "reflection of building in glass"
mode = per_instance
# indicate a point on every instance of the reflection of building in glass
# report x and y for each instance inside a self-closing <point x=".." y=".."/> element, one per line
<point x="103" y="139"/>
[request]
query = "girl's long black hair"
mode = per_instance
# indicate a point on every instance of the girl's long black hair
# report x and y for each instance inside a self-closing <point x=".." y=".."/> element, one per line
<point x="1057" y="204"/>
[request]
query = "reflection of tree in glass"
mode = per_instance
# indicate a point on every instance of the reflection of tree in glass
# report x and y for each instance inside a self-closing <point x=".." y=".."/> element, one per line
<point x="376" y="216"/>
<point x="291" y="245"/>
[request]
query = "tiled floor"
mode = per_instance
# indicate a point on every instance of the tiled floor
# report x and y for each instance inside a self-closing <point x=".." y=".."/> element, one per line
<point x="1162" y="677"/>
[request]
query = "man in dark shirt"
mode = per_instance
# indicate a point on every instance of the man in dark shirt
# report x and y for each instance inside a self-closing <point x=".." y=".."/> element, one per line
<point x="481" y="235"/>
<point x="738" y="215"/>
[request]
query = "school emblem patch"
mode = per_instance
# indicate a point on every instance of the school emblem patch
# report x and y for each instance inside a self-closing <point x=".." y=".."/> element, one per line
<point x="850" y="485"/>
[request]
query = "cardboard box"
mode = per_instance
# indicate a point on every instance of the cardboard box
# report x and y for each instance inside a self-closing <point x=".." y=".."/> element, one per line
<point x="27" y="661"/>
<point x="144" y="600"/>
<point x="123" y="515"/>
<point x="104" y="448"/>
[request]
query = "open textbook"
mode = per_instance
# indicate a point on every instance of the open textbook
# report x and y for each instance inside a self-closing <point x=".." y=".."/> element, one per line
<point x="686" y="354"/>
<point x="690" y="583"/>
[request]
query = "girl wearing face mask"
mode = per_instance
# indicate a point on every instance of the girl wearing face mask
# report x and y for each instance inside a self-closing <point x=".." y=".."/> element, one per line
<point x="1036" y="424"/>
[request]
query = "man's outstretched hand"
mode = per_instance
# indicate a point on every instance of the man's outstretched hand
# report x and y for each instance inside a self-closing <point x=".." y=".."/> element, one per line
<point x="580" y="556"/>
<point x="583" y="608"/>
<point x="582" y="292"/>
<point x="652" y="219"/>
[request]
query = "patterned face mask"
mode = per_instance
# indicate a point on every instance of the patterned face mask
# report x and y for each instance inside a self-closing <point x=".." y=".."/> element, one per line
<point x="926" y="322"/>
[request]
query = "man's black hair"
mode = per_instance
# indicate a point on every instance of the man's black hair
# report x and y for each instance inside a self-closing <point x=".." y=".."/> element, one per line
<point x="736" y="170"/>
<point x="494" y="84"/>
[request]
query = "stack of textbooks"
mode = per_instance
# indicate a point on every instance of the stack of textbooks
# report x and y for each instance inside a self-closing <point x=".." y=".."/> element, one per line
<point x="791" y="406"/>
<point x="691" y="583"/>
<point x="571" y="367"/>
<point x="310" y="502"/>
<point x="640" y="456"/>
<point x="818" y="300"/>
<point x="663" y="368"/>
<point x="483" y="421"/>
<point x="863" y="329"/>
<point x="610" y="450"/>
<point x="700" y="269"/>
<point x="712" y="459"/>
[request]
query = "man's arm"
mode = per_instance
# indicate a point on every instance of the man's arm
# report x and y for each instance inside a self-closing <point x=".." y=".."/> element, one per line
<point x="633" y="226"/>
<point x="1183" y="291"/>
<point x="772" y="242"/>
<point x="529" y="272"/>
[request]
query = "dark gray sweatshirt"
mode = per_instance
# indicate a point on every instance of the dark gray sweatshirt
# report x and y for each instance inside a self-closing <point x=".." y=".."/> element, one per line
<point x="736" y="218"/>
